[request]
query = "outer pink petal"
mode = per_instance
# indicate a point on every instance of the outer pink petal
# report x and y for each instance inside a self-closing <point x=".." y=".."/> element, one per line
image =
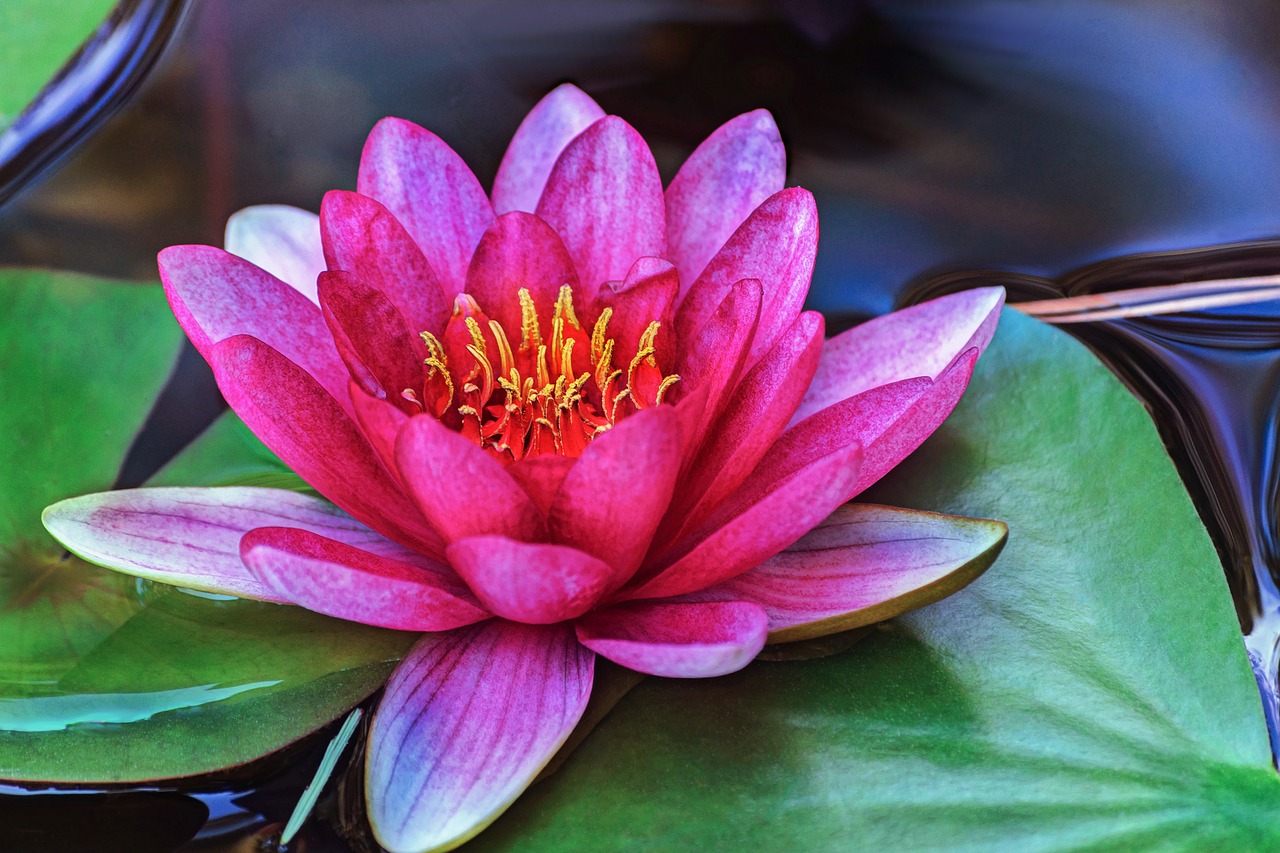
<point x="863" y="565"/>
<point x="468" y="720"/>
<point x="431" y="191"/>
<point x="776" y="245"/>
<point x="922" y="340"/>
<point x="190" y="537"/>
<point x="519" y="251"/>
<point x="283" y="240"/>
<point x="565" y="112"/>
<point x="461" y="489"/>
<point x="677" y="640"/>
<point x="306" y="428"/>
<point x="729" y="175"/>
<point x="336" y="579"/>
<point x="363" y="237"/>
<point x="604" y="198"/>
<point x="216" y="295"/>
<point x="614" y="496"/>
<point x="534" y="583"/>
<point x="383" y="356"/>
<point x="380" y="422"/>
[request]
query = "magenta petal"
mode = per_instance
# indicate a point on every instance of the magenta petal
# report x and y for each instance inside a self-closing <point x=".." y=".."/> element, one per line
<point x="604" y="198"/>
<point x="776" y="245"/>
<point x="535" y="583"/>
<point x="863" y="565"/>
<point x="541" y="477"/>
<point x="519" y="251"/>
<point x="648" y="294"/>
<point x="468" y="720"/>
<point x="714" y="359"/>
<point x="922" y="340"/>
<point x="565" y="112"/>
<point x="190" y="537"/>
<point x="677" y="640"/>
<point x="216" y="295"/>
<point x="614" y="496"/>
<point x="283" y="240"/>
<point x="380" y="422"/>
<point x="430" y="191"/>
<point x="361" y="236"/>
<point x="305" y="427"/>
<point x="383" y="356"/>
<point x="729" y="175"/>
<point x="461" y="489"/>
<point x="346" y="582"/>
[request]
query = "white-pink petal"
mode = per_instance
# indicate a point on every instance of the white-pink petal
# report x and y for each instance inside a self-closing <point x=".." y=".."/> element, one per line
<point x="677" y="639"/>
<point x="283" y="240"/>
<point x="552" y="124"/>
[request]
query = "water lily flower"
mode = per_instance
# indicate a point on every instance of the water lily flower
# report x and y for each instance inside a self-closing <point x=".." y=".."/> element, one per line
<point x="581" y="415"/>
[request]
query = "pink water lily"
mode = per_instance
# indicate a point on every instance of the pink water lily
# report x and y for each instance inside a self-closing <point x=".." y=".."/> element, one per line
<point x="578" y="416"/>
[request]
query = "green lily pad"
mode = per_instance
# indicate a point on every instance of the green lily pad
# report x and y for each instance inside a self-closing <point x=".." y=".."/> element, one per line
<point x="1091" y="691"/>
<point x="104" y="678"/>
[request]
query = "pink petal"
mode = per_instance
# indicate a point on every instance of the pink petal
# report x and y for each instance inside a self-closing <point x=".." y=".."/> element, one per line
<point x="283" y="240"/>
<point x="729" y="175"/>
<point x="866" y="564"/>
<point x="922" y="340"/>
<point x="647" y="295"/>
<point x="519" y="251"/>
<point x="617" y="492"/>
<point x="541" y="477"/>
<point x="382" y="355"/>
<point x="776" y="245"/>
<point x="677" y="640"/>
<point x="461" y="489"/>
<point x="363" y="237"/>
<point x="309" y="431"/>
<point x="468" y="720"/>
<point x="535" y="583"/>
<point x="216" y="295"/>
<point x="565" y="112"/>
<point x="604" y="198"/>
<point x="380" y="422"/>
<point x="190" y="537"/>
<point x="346" y="582"/>
<point x="430" y="191"/>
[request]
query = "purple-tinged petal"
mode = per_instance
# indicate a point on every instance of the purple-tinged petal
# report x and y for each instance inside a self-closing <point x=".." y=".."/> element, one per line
<point x="310" y="432"/>
<point x="433" y="194"/>
<point x="460" y="489"/>
<point x="729" y="175"/>
<point x="361" y="236"/>
<point x="468" y="720"/>
<point x="565" y="112"/>
<point x="346" y="582"/>
<point x="190" y="537"/>
<point x="614" y="496"/>
<point x="677" y="639"/>
<point x="863" y="565"/>
<point x="535" y="583"/>
<point x="519" y="251"/>
<point x="922" y="340"/>
<point x="604" y="198"/>
<point x="283" y="240"/>
<point x="776" y="245"/>
<point x="216" y="295"/>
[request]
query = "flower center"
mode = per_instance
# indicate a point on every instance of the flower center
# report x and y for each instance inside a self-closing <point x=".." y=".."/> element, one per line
<point x="550" y="393"/>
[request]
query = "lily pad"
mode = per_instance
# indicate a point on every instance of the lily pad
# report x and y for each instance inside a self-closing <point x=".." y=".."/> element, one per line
<point x="104" y="678"/>
<point x="36" y="38"/>
<point x="1091" y="691"/>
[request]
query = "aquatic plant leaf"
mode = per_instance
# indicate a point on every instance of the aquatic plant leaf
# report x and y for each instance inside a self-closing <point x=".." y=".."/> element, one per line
<point x="105" y="678"/>
<point x="1091" y="691"/>
<point x="36" y="38"/>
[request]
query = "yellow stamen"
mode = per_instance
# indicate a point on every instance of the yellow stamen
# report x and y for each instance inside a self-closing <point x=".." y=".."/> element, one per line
<point x="564" y="307"/>
<point x="647" y="339"/>
<point x="662" y="389"/>
<point x="504" y="348"/>
<point x="598" y="340"/>
<point x="530" y="334"/>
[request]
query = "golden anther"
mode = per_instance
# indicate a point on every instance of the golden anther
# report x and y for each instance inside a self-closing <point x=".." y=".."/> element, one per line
<point x="564" y="307"/>
<point x="504" y="348"/>
<point x="477" y="337"/>
<point x="598" y="335"/>
<point x="662" y="389"/>
<point x="530" y="334"/>
<point x="647" y="341"/>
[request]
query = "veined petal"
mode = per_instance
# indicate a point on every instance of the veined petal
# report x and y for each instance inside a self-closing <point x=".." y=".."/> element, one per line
<point x="727" y="177"/>
<point x="380" y="422"/>
<point x="337" y="579"/>
<point x="519" y="251"/>
<point x="383" y="356"/>
<point x="534" y="583"/>
<point x="677" y="639"/>
<point x="362" y="237"/>
<point x="647" y="294"/>
<point x="283" y="240"/>
<point x="565" y="112"/>
<point x="430" y="191"/>
<point x="863" y="565"/>
<point x="216" y="295"/>
<point x="604" y="199"/>
<point x="305" y="427"/>
<point x="468" y="720"/>
<point x="922" y="340"/>
<point x="190" y="537"/>
<point x="461" y="489"/>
